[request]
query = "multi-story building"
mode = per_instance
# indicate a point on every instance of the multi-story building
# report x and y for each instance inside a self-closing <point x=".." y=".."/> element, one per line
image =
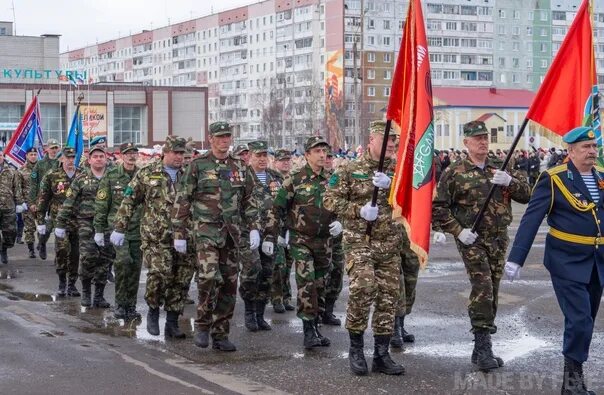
<point x="284" y="69"/>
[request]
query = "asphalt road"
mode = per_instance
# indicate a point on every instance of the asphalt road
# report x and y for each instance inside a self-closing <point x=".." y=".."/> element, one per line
<point x="52" y="346"/>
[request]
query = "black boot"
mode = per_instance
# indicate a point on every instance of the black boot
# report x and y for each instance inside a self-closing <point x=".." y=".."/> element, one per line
<point x="202" y="339"/>
<point x="325" y="342"/>
<point x="153" y="321"/>
<point x="19" y="240"/>
<point x="278" y="307"/>
<point x="484" y="352"/>
<point x="86" y="293"/>
<point x="223" y="345"/>
<point x="171" y="328"/>
<point x="262" y="324"/>
<point x="573" y="382"/>
<point x="407" y="337"/>
<point x="396" y="341"/>
<point x="132" y="314"/>
<point x="310" y="335"/>
<point x="381" y="358"/>
<point x="288" y="306"/>
<point x="356" y="355"/>
<point x="71" y="288"/>
<point x="328" y="318"/>
<point x="62" y="285"/>
<point x="120" y="312"/>
<point x="30" y="247"/>
<point x="42" y="251"/>
<point x="99" y="300"/>
<point x="250" y="316"/>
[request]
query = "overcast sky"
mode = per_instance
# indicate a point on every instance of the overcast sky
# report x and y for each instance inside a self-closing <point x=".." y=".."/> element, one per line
<point x="85" y="22"/>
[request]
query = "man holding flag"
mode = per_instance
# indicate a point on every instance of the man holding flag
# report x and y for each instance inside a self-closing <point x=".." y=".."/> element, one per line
<point x="31" y="158"/>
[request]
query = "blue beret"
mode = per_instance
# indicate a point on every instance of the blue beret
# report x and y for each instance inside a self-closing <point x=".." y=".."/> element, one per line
<point x="98" y="139"/>
<point x="582" y="133"/>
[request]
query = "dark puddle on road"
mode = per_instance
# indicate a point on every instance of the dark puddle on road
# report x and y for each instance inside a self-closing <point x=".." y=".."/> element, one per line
<point x="29" y="296"/>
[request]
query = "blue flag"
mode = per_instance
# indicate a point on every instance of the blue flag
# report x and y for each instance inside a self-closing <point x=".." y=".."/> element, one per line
<point x="25" y="136"/>
<point x="75" y="138"/>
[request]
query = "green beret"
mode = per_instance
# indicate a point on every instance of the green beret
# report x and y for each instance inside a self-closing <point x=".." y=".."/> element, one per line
<point x="258" y="146"/>
<point x="283" y="153"/>
<point x="96" y="148"/>
<point x="52" y="143"/>
<point x="69" y="152"/>
<point x="127" y="147"/>
<point x="314" y="141"/>
<point x="582" y="133"/>
<point x="474" y="128"/>
<point x="240" y="148"/>
<point x="220" y="128"/>
<point x="175" y="144"/>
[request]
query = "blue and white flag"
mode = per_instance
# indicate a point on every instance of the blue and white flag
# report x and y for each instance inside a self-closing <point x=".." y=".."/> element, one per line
<point x="25" y="136"/>
<point x="75" y="138"/>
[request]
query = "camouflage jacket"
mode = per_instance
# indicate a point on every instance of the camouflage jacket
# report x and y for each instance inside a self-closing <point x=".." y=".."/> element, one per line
<point x="25" y="172"/>
<point x="299" y="203"/>
<point x="215" y="199"/>
<point x="350" y="188"/>
<point x="109" y="198"/>
<point x="10" y="187"/>
<point x="152" y="188"/>
<point x="53" y="192"/>
<point x="265" y="194"/>
<point x="79" y="199"/>
<point x="42" y="167"/>
<point x="461" y="191"/>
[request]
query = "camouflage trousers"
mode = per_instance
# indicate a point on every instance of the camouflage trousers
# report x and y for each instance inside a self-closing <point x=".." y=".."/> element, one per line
<point x="312" y="260"/>
<point x="256" y="274"/>
<point x="217" y="287"/>
<point x="50" y="225"/>
<point x="280" y="286"/>
<point x="336" y="274"/>
<point x="67" y="254"/>
<point x="127" y="266"/>
<point x="8" y="221"/>
<point x="484" y="261"/>
<point x="168" y="276"/>
<point x="374" y="280"/>
<point x="29" y="230"/>
<point x="94" y="260"/>
<point x="408" y="281"/>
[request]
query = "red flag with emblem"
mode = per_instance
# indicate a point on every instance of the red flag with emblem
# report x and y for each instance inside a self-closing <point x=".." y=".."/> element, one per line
<point x="410" y="109"/>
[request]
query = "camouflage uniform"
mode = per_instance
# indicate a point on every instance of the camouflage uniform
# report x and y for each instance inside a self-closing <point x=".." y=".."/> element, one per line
<point x="373" y="267"/>
<point x="336" y="275"/>
<point x="408" y="281"/>
<point x="51" y="196"/>
<point x="213" y="199"/>
<point x="129" y="255"/>
<point x="167" y="277"/>
<point x="460" y="193"/>
<point x="11" y="194"/>
<point x="28" y="216"/>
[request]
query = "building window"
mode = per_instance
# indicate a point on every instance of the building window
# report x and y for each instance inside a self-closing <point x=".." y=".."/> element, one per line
<point x="371" y="91"/>
<point x="387" y="74"/>
<point x="509" y="130"/>
<point x="10" y="115"/>
<point x="387" y="91"/>
<point x="387" y="58"/>
<point x="127" y="122"/>
<point x="53" y="121"/>
<point x="370" y="74"/>
<point x="371" y="57"/>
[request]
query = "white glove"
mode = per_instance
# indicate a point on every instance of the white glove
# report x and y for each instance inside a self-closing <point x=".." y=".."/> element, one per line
<point x="501" y="178"/>
<point x="439" y="238"/>
<point x="281" y="242"/>
<point x="512" y="271"/>
<point x="24" y="205"/>
<point x="180" y="246"/>
<point x="369" y="212"/>
<point x="99" y="239"/>
<point x="267" y="247"/>
<point x="19" y="209"/>
<point x="116" y="238"/>
<point x="381" y="180"/>
<point x="287" y="238"/>
<point x="254" y="239"/>
<point x="335" y="228"/>
<point x="467" y="237"/>
<point x="60" y="233"/>
<point x="41" y="229"/>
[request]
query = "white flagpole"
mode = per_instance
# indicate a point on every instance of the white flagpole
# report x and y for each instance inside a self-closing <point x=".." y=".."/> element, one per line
<point x="60" y="114"/>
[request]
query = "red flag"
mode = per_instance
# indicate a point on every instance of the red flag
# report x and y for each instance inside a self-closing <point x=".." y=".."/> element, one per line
<point x="565" y="98"/>
<point x="410" y="109"/>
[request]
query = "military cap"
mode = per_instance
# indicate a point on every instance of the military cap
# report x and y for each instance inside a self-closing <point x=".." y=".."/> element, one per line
<point x="258" y="146"/>
<point x="240" y="148"/>
<point x="190" y="146"/>
<point x="98" y="140"/>
<point x="69" y="152"/>
<point x="32" y="149"/>
<point x="127" y="147"/>
<point x="283" y="153"/>
<point x="175" y="144"/>
<point x="582" y="133"/>
<point x="51" y="143"/>
<point x="379" y="127"/>
<point x="220" y="128"/>
<point x="314" y="141"/>
<point x="474" y="128"/>
<point x="97" y="148"/>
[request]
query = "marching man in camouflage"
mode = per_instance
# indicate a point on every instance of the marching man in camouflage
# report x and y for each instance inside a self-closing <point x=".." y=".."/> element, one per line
<point x="242" y="151"/>
<point x="11" y="203"/>
<point x="44" y="166"/>
<point x="460" y="193"/>
<point x="257" y="267"/>
<point x="31" y="158"/>
<point x="214" y="200"/>
<point x="311" y="226"/>
<point x="373" y="265"/>
<point x="80" y="204"/>
<point x="154" y="188"/>
<point x="53" y="192"/>
<point x="129" y="255"/>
